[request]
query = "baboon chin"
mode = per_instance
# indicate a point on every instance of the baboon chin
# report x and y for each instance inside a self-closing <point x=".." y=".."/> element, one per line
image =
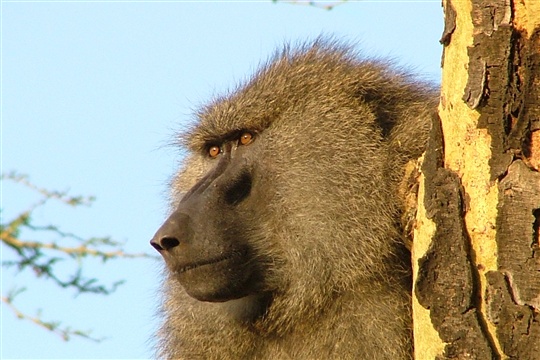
<point x="215" y="280"/>
<point x="283" y="240"/>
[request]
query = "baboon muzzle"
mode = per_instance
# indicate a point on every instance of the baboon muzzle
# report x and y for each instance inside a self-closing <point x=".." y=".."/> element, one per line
<point x="211" y="202"/>
<point x="203" y="241"/>
<point x="169" y="234"/>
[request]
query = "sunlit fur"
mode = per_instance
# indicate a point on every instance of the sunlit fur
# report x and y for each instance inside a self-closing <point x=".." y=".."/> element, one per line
<point x="332" y="132"/>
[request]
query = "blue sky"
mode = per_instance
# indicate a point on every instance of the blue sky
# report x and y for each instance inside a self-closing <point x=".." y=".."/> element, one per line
<point x="92" y="93"/>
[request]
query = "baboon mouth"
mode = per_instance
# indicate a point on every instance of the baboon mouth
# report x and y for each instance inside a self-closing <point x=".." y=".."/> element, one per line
<point x="183" y="269"/>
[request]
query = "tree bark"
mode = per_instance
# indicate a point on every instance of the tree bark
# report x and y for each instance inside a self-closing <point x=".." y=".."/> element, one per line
<point x="476" y="252"/>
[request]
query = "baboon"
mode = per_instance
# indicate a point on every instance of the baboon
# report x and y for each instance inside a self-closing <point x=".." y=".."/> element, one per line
<point x="284" y="239"/>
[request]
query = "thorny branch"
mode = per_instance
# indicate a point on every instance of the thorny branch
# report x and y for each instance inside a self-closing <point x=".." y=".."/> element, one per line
<point x="54" y="326"/>
<point x="42" y="257"/>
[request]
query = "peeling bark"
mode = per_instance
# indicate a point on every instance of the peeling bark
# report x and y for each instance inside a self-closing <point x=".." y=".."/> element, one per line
<point x="513" y="294"/>
<point x="445" y="282"/>
<point x="476" y="251"/>
<point x="518" y="327"/>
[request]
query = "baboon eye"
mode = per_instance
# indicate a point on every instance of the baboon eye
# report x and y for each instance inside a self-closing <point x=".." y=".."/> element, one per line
<point x="246" y="138"/>
<point x="214" y="151"/>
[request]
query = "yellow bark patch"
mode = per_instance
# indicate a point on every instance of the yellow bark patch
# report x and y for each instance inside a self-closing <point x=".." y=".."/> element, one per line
<point x="427" y="343"/>
<point x="526" y="15"/>
<point x="467" y="150"/>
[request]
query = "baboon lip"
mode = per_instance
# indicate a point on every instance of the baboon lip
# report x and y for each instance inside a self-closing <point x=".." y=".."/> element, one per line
<point x="197" y="264"/>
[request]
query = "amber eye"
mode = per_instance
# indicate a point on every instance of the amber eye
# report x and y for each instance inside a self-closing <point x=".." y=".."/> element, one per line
<point x="214" y="151"/>
<point x="246" y="138"/>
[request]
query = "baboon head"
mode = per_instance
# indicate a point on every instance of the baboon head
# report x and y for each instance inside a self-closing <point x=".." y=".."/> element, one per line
<point x="285" y="188"/>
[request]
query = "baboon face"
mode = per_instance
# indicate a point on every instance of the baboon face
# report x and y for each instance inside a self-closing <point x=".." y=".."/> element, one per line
<point x="287" y="209"/>
<point x="206" y="240"/>
<point x="281" y="191"/>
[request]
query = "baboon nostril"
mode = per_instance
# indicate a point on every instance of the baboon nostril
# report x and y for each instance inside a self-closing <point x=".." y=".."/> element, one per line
<point x="168" y="242"/>
<point x="156" y="245"/>
<point x="165" y="243"/>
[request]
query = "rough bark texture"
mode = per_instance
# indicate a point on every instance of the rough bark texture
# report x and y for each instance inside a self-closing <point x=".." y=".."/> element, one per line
<point x="513" y="294"/>
<point x="445" y="282"/>
<point x="476" y="252"/>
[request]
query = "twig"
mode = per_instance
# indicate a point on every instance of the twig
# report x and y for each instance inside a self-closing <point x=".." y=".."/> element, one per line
<point x="65" y="333"/>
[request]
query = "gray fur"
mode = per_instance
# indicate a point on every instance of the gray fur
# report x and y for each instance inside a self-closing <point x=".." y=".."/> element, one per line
<point x="302" y="224"/>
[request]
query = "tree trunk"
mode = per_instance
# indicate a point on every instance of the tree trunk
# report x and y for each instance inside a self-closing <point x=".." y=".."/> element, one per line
<point x="476" y="253"/>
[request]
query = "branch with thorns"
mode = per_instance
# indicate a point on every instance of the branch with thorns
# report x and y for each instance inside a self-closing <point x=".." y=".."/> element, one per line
<point x="66" y="333"/>
<point x="43" y="256"/>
